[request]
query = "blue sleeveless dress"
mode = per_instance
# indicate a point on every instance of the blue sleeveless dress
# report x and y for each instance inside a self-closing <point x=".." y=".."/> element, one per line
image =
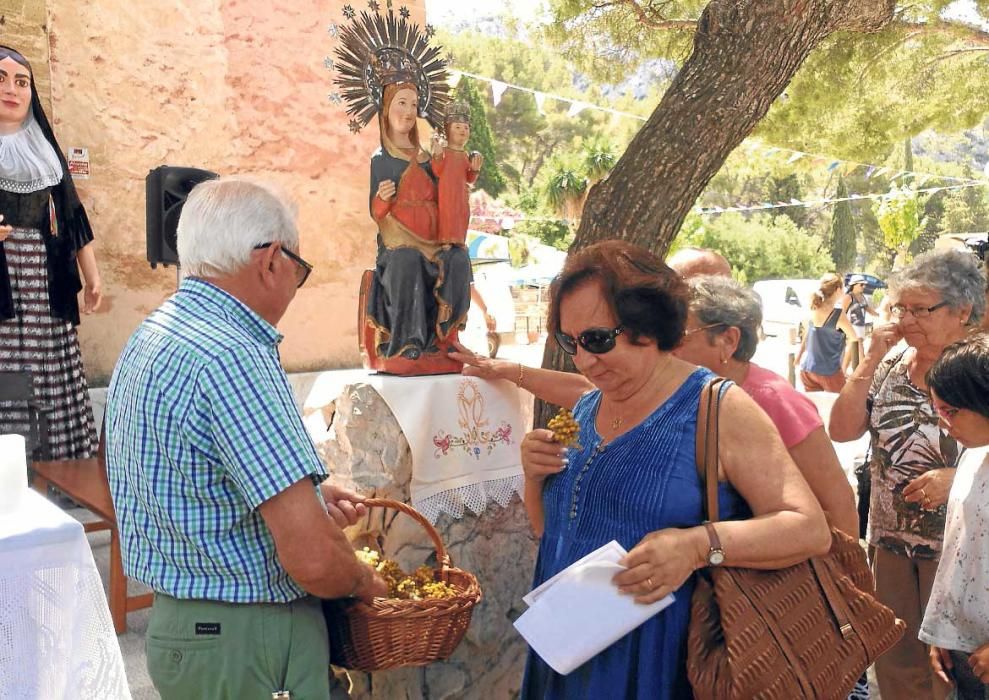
<point x="644" y="480"/>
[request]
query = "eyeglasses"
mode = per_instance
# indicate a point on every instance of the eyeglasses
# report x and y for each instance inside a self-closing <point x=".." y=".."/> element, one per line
<point x="702" y="328"/>
<point x="900" y="311"/>
<point x="595" y="340"/>
<point x="304" y="268"/>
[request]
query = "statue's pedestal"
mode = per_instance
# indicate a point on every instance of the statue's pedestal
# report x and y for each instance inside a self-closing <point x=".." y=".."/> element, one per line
<point x="365" y="448"/>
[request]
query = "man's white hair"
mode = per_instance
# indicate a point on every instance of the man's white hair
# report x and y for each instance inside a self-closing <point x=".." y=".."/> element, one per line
<point x="222" y="220"/>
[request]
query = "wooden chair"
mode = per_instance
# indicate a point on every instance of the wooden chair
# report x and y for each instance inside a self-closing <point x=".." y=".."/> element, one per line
<point x="85" y="482"/>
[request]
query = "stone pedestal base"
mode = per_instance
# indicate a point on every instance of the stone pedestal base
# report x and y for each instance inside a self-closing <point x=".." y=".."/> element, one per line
<point x="365" y="448"/>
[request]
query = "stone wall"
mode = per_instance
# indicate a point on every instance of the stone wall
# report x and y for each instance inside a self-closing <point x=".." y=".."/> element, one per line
<point x="235" y="86"/>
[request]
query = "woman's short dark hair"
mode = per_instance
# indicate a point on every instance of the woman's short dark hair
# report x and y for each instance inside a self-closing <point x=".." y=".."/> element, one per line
<point x="960" y="376"/>
<point x="648" y="298"/>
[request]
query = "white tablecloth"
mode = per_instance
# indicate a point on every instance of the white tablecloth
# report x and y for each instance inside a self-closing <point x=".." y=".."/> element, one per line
<point x="56" y="637"/>
<point x="464" y="433"/>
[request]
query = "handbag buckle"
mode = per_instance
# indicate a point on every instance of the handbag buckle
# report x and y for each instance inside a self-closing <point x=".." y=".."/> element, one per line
<point x="846" y="630"/>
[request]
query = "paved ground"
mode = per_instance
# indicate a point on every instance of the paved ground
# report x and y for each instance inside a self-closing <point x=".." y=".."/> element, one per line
<point x="772" y="355"/>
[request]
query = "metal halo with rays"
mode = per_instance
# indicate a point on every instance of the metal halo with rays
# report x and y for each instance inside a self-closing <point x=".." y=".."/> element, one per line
<point x="377" y="46"/>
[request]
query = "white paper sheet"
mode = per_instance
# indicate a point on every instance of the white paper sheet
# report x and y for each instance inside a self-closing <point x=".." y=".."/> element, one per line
<point x="579" y="612"/>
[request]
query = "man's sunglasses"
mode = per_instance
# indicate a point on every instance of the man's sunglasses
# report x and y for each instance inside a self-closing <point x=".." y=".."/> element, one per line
<point x="305" y="269"/>
<point x="595" y="340"/>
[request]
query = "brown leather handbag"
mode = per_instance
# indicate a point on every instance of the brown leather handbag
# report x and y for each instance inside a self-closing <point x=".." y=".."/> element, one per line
<point x="806" y="631"/>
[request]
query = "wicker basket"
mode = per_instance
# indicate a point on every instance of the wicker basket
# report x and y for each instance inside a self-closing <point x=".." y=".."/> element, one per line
<point x="392" y="633"/>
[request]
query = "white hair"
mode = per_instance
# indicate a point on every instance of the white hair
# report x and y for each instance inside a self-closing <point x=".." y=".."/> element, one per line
<point x="223" y="220"/>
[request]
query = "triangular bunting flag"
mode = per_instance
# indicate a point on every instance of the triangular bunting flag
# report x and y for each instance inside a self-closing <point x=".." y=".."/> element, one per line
<point x="575" y="109"/>
<point x="540" y="101"/>
<point x="497" y="90"/>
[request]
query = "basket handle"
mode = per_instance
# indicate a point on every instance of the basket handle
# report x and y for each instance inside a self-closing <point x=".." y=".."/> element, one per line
<point x="441" y="554"/>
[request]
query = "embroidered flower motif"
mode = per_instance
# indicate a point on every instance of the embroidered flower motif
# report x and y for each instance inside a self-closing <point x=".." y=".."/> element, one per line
<point x="476" y="439"/>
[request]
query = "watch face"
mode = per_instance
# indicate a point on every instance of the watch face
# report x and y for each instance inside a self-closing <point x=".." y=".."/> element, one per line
<point x="716" y="557"/>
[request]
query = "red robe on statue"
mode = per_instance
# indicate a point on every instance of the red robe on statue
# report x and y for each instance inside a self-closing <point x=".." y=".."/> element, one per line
<point x="455" y="175"/>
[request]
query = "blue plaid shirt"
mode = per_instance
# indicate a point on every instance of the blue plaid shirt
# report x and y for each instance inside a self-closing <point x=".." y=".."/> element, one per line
<point x="202" y="428"/>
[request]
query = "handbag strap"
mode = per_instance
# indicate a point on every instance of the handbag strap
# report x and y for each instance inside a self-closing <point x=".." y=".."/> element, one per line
<point x="706" y="445"/>
<point x="836" y="601"/>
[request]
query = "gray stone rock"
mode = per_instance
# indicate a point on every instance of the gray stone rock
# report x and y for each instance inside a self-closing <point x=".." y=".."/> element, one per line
<point x="365" y="448"/>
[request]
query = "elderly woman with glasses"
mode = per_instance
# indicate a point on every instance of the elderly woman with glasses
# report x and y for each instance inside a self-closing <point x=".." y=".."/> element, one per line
<point x="934" y="302"/>
<point x="722" y="335"/>
<point x="620" y="312"/>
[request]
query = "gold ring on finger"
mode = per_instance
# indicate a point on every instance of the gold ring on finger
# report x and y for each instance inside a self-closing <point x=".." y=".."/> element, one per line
<point x="649" y="583"/>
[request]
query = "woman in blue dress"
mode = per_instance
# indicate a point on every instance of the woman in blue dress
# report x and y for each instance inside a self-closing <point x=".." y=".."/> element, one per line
<point x="620" y="312"/>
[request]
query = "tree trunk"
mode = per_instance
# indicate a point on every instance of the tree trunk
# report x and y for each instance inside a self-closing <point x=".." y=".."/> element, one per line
<point x="745" y="54"/>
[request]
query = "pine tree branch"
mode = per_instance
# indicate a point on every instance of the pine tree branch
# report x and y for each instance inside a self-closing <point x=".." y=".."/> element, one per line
<point x="646" y="19"/>
<point x="955" y="29"/>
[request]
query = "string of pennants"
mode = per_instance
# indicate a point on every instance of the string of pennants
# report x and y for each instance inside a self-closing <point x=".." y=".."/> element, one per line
<point x="892" y="194"/>
<point x="765" y="206"/>
<point x="833" y="165"/>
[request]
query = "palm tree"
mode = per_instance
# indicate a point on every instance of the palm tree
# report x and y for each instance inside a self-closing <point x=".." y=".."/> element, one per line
<point x="599" y="159"/>
<point x="565" y="191"/>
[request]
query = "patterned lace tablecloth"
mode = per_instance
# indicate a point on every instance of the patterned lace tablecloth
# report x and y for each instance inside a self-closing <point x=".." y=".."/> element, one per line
<point x="56" y="638"/>
<point x="464" y="434"/>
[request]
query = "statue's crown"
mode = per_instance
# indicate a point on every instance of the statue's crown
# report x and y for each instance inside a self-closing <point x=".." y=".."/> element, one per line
<point x="457" y="112"/>
<point x="394" y="66"/>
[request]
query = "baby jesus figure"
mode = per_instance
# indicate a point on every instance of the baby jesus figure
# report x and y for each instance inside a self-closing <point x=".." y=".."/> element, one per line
<point x="456" y="172"/>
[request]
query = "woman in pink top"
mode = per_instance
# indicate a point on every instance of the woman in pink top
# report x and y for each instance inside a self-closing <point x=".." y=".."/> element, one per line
<point x="722" y="334"/>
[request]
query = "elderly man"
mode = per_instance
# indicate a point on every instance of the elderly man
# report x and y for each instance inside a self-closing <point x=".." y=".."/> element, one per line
<point x="220" y="495"/>
<point x="694" y="262"/>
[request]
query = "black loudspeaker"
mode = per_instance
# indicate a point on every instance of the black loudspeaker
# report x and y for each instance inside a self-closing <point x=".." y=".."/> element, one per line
<point x="167" y="187"/>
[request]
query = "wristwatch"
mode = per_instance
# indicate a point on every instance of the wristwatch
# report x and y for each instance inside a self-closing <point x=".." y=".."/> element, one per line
<point x="715" y="555"/>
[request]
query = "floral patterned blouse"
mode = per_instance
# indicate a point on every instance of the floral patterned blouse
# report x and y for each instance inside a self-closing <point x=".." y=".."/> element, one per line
<point x="907" y="441"/>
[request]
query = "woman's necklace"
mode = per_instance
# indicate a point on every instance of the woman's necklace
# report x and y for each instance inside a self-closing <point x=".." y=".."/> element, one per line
<point x="619" y="420"/>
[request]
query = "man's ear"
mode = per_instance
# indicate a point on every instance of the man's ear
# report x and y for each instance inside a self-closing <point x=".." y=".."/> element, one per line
<point x="264" y="264"/>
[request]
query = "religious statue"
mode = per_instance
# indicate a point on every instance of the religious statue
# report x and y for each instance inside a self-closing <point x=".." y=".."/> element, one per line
<point x="418" y="295"/>
<point x="457" y="171"/>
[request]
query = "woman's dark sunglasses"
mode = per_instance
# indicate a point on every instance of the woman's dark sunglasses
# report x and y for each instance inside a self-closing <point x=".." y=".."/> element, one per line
<point x="304" y="267"/>
<point x="595" y="340"/>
